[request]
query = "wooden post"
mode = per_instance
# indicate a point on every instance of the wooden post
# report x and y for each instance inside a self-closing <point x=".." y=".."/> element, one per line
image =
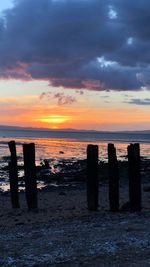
<point x="13" y="175"/>
<point x="30" y="175"/>
<point x="92" y="177"/>
<point x="134" y="177"/>
<point x="113" y="178"/>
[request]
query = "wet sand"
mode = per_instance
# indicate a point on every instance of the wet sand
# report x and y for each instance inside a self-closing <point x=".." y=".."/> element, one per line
<point x="64" y="233"/>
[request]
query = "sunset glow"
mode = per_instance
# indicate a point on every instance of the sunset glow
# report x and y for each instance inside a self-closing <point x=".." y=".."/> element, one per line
<point x="91" y="110"/>
<point x="73" y="78"/>
<point x="58" y="119"/>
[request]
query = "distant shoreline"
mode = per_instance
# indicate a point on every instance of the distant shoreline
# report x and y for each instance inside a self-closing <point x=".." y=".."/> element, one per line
<point x="19" y="128"/>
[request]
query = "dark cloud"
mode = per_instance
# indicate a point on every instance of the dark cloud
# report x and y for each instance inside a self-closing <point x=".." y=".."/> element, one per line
<point x="93" y="44"/>
<point x="138" y="101"/>
<point x="64" y="99"/>
<point x="47" y="95"/>
<point x="61" y="98"/>
<point x="136" y="14"/>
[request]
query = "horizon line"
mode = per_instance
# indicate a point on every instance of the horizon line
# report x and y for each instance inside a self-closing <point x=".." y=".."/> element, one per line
<point x="69" y="129"/>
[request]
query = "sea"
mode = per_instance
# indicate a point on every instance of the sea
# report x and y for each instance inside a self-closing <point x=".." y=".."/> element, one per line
<point x="56" y="146"/>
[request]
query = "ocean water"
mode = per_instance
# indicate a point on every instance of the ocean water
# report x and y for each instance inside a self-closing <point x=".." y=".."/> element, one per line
<point x="51" y="144"/>
<point x="69" y="146"/>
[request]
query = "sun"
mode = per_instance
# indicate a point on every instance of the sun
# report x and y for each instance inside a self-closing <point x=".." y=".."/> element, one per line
<point x="56" y="119"/>
<point x="54" y="127"/>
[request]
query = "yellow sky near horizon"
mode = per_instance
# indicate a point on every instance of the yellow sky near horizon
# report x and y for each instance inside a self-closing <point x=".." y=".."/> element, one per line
<point x="85" y="109"/>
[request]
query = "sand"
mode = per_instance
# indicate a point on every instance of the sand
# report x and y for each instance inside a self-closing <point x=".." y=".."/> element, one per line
<point x="64" y="233"/>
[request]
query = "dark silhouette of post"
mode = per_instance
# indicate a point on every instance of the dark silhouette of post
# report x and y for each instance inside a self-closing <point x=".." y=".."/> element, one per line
<point x="30" y="175"/>
<point x="13" y="175"/>
<point x="134" y="177"/>
<point x="113" y="178"/>
<point x="92" y="177"/>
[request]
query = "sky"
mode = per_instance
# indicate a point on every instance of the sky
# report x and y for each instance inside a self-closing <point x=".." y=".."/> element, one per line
<point x="82" y="64"/>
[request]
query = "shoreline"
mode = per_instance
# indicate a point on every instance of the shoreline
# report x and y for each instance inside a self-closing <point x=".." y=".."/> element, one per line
<point x="62" y="232"/>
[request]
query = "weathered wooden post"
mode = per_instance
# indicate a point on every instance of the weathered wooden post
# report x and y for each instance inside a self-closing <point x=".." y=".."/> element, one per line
<point x="92" y="177"/>
<point x="30" y="175"/>
<point x="13" y="175"/>
<point x="113" y="178"/>
<point x="134" y="177"/>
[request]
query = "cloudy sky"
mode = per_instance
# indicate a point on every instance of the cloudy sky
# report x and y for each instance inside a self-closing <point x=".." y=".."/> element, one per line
<point x="81" y="64"/>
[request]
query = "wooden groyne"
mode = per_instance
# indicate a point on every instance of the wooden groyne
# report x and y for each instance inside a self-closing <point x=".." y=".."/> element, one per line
<point x="92" y="174"/>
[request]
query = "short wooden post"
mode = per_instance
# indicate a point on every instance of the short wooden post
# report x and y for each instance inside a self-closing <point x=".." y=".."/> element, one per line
<point x="30" y="175"/>
<point x="92" y="177"/>
<point x="13" y="175"/>
<point x="113" y="178"/>
<point x="134" y="177"/>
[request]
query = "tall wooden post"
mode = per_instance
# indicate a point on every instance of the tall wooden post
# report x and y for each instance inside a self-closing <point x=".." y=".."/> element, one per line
<point x="113" y="178"/>
<point x="134" y="177"/>
<point x="30" y="175"/>
<point x="92" y="177"/>
<point x="13" y="175"/>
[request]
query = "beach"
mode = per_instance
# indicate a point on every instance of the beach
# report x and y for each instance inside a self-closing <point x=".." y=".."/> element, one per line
<point x="62" y="232"/>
